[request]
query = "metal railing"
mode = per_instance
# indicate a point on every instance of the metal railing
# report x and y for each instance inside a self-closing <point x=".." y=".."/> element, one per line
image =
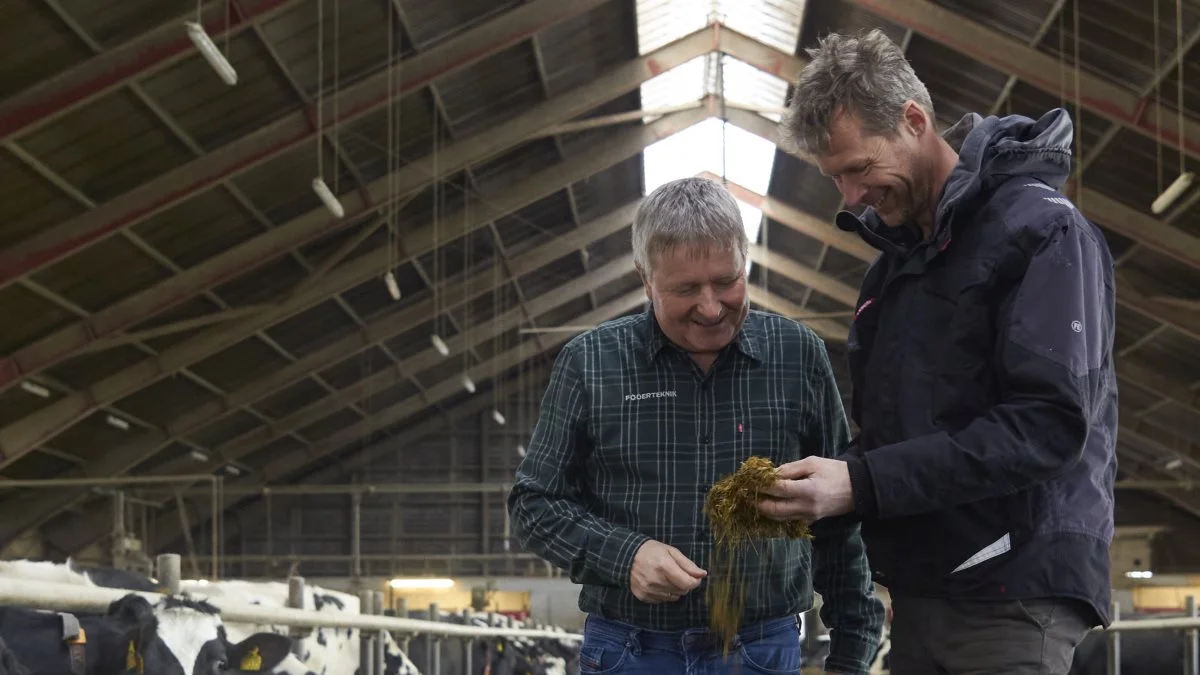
<point x="1190" y="625"/>
<point x="372" y="623"/>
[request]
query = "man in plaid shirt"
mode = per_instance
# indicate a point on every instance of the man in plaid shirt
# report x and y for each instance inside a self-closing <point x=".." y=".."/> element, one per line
<point x="643" y="414"/>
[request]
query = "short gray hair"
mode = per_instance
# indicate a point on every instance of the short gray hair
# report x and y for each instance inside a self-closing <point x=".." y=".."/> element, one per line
<point x="694" y="213"/>
<point x="865" y="75"/>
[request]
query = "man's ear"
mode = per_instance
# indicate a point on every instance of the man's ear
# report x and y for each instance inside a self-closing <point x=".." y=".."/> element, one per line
<point x="259" y="653"/>
<point x="914" y="119"/>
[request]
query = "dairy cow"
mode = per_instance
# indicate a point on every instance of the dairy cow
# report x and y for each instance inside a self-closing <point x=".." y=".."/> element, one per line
<point x="326" y="651"/>
<point x="176" y="636"/>
<point x="498" y="656"/>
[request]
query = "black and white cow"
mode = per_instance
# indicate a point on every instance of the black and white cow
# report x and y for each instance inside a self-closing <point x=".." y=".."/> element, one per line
<point x="498" y="656"/>
<point x="325" y="651"/>
<point x="176" y="636"/>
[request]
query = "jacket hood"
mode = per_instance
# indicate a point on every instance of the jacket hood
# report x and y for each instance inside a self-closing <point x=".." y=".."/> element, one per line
<point x="990" y="150"/>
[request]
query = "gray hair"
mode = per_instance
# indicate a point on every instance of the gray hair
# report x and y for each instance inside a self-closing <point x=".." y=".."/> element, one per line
<point x="866" y="76"/>
<point x="693" y="213"/>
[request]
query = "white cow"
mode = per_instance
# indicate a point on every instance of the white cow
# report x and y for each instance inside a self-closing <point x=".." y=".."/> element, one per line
<point x="325" y="651"/>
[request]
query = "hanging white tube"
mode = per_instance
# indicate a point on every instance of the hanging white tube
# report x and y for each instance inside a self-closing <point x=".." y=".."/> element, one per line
<point x="439" y="344"/>
<point x="1168" y="197"/>
<point x="520" y="449"/>
<point x="392" y="286"/>
<point x="117" y="422"/>
<point x="331" y="202"/>
<point x="468" y="384"/>
<point x="210" y="52"/>
<point x="498" y="416"/>
<point x="35" y="389"/>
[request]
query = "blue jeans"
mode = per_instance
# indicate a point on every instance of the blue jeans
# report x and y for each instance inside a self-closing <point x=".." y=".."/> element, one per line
<point x="611" y="647"/>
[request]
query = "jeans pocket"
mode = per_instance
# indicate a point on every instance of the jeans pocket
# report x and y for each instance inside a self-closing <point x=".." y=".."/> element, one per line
<point x="773" y="654"/>
<point x="597" y="657"/>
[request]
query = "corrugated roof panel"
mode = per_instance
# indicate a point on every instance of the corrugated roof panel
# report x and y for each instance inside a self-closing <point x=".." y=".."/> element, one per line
<point x="326" y="426"/>
<point x="199" y="228"/>
<point x="82" y="370"/>
<point x="29" y="204"/>
<point x="264" y="283"/>
<point x="773" y="22"/>
<point x="291" y="398"/>
<point x="577" y="51"/>
<point x="547" y="217"/>
<point x="225" y="428"/>
<point x="366" y="139"/>
<point x="1170" y="351"/>
<point x="36" y="466"/>
<point x="107" y="147"/>
<point x="1131" y="327"/>
<point x="432" y="21"/>
<point x="103" y="273"/>
<point x="310" y="330"/>
<point x="244" y="362"/>
<point x="417" y="339"/>
<point x="358" y="42"/>
<point x="785" y="240"/>
<point x="389" y="397"/>
<point x="111" y="23"/>
<point x="214" y="113"/>
<point x="1019" y="19"/>
<point x="661" y="22"/>
<point x="164" y="400"/>
<point x="492" y="90"/>
<point x="356" y="367"/>
<point x="748" y="85"/>
<point x="280" y="447"/>
<point x="34" y="44"/>
<point x="682" y="84"/>
<point x="500" y="172"/>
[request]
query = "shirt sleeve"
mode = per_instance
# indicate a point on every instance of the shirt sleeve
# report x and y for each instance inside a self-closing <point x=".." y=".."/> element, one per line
<point x="841" y="574"/>
<point x="546" y="504"/>
<point x="1057" y="331"/>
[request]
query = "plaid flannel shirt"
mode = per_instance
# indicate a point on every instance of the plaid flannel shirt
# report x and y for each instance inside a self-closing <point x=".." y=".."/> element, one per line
<point x="632" y="434"/>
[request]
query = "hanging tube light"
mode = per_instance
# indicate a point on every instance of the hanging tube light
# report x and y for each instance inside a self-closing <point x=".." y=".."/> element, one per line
<point x="327" y="197"/>
<point x="392" y="286"/>
<point x="211" y="54"/>
<point x="468" y="383"/>
<point x="1173" y="192"/>
<point x="498" y="416"/>
<point x="439" y="344"/>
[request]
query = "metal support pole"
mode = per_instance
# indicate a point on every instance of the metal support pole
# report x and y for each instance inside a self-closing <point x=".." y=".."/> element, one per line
<point x="118" y="530"/>
<point x="169" y="571"/>
<point x="366" y="639"/>
<point x="296" y="601"/>
<point x="380" y="637"/>
<point x="1114" y="643"/>
<point x="1191" y="640"/>
<point x="468" y="643"/>
<point x="402" y="612"/>
<point x="356" y="534"/>
<point x="434" y="665"/>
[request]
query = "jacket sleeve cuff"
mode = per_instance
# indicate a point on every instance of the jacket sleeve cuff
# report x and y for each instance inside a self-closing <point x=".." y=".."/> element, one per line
<point x="617" y="553"/>
<point x="862" y="486"/>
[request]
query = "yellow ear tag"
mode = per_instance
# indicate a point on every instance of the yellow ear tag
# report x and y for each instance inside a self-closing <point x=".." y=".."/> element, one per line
<point x="500" y="647"/>
<point x="133" y="660"/>
<point x="252" y="661"/>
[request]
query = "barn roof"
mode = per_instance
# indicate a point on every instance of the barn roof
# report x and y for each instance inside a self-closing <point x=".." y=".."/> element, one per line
<point x="179" y="300"/>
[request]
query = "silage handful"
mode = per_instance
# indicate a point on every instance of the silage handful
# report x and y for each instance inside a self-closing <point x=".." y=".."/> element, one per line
<point x="736" y="522"/>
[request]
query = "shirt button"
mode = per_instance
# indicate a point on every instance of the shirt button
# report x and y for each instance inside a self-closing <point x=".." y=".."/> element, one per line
<point x="704" y="439"/>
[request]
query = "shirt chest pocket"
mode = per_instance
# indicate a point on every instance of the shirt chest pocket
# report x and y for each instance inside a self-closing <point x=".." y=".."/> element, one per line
<point x="770" y="430"/>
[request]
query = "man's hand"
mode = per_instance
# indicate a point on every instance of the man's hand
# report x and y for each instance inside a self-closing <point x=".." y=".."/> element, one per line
<point x="810" y="489"/>
<point x="662" y="573"/>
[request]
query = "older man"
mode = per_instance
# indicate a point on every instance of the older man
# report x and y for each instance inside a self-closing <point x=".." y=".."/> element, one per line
<point x="643" y="414"/>
<point x="982" y="358"/>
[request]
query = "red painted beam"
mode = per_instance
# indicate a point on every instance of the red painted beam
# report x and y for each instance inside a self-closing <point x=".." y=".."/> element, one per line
<point x="989" y="47"/>
<point x="106" y="72"/>
<point x="283" y="135"/>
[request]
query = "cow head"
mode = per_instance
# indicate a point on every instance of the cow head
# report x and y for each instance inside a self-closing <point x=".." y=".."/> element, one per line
<point x="186" y="637"/>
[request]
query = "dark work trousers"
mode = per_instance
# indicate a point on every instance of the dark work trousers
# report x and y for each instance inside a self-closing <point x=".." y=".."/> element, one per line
<point x="612" y="647"/>
<point x="961" y="637"/>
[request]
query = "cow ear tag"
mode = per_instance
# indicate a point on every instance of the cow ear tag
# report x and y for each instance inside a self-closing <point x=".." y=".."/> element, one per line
<point x="133" y="660"/>
<point x="252" y="660"/>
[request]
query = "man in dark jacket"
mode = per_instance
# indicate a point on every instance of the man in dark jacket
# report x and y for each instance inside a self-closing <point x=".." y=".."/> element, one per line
<point x="981" y="357"/>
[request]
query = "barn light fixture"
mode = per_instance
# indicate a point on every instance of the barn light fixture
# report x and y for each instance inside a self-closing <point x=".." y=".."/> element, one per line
<point x="498" y="416"/>
<point x="327" y="197"/>
<point x="1174" y="464"/>
<point x="117" y="422"/>
<point x="1168" y="197"/>
<point x="199" y="456"/>
<point x="520" y="449"/>
<point x="468" y="383"/>
<point x="393" y="288"/>
<point x="233" y="470"/>
<point x="1140" y="574"/>
<point x="35" y="389"/>
<point x="211" y="54"/>
<point x="420" y="583"/>
<point x="439" y="344"/>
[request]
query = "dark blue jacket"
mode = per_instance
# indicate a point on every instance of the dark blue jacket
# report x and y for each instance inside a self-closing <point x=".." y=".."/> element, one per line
<point x="984" y="387"/>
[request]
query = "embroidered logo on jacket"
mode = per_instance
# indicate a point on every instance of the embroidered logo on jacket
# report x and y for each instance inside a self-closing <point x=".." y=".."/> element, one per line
<point x="653" y="394"/>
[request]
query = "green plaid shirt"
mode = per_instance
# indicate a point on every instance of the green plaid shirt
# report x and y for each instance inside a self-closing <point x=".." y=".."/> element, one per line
<point x="632" y="434"/>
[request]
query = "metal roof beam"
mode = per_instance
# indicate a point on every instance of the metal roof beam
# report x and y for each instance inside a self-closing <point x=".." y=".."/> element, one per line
<point x="280" y="136"/>
<point x="620" y="147"/>
<point x="1011" y="57"/>
<point x="140" y="57"/>
<point x="64" y="343"/>
<point x="281" y="469"/>
<point x="19" y="438"/>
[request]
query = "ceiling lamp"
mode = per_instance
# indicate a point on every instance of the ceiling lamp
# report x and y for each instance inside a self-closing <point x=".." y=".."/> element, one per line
<point x="210" y="52"/>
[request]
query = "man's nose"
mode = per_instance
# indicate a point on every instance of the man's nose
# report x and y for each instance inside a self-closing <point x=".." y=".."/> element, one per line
<point x="709" y="306"/>
<point x="852" y="191"/>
